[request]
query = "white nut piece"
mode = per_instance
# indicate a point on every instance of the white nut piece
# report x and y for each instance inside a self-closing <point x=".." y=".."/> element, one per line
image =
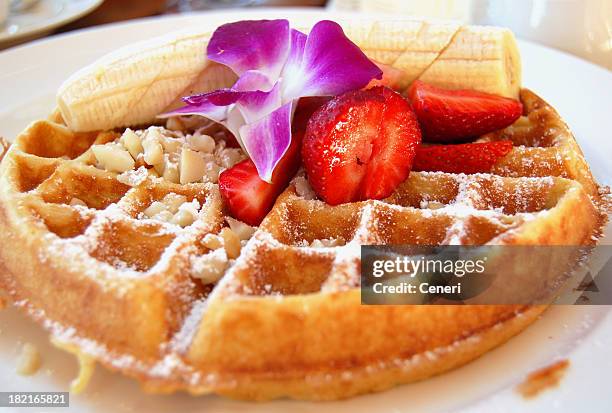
<point x="161" y="166"/>
<point x="303" y="188"/>
<point x="202" y="143"/>
<point x="29" y="360"/>
<point x="244" y="231"/>
<point x="113" y="157"/>
<point x="192" y="166"/>
<point x="231" y="242"/>
<point x="155" y="208"/>
<point x="212" y="241"/>
<point x="187" y="213"/>
<point x="174" y="201"/>
<point x="209" y="267"/>
<point x="164" y="216"/>
<point x="230" y="157"/>
<point x="212" y="173"/>
<point x="171" y="172"/>
<point x="183" y="219"/>
<point x="132" y="142"/>
<point x="153" y="151"/>
<point x="171" y="145"/>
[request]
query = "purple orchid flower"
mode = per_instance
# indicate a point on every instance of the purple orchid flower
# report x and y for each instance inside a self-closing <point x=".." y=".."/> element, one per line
<point x="276" y="66"/>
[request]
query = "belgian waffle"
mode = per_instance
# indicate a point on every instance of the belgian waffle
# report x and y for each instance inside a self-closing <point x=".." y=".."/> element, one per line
<point x="283" y="318"/>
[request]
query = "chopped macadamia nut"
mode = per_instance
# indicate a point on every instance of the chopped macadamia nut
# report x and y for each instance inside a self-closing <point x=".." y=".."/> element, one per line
<point x="171" y="173"/>
<point x="174" y="201"/>
<point x="164" y="216"/>
<point x="161" y="167"/>
<point x="29" y="360"/>
<point x="183" y="219"/>
<point x="174" y="208"/>
<point x="113" y="157"/>
<point x="171" y="145"/>
<point x="210" y="267"/>
<point x="303" y="188"/>
<point x="231" y="156"/>
<point x="231" y="242"/>
<point x="187" y="213"/>
<point x="244" y="231"/>
<point x="155" y="208"/>
<point x="132" y="143"/>
<point x="175" y="155"/>
<point x="212" y="242"/>
<point x="202" y="143"/>
<point x="153" y="151"/>
<point x="212" y="173"/>
<point x="77" y="202"/>
<point x="192" y="166"/>
<point x="133" y="177"/>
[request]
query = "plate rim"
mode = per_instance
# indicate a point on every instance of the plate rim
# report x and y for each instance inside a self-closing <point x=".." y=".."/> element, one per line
<point x="71" y="12"/>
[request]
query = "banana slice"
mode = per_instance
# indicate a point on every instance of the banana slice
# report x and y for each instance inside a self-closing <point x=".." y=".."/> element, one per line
<point x="134" y="84"/>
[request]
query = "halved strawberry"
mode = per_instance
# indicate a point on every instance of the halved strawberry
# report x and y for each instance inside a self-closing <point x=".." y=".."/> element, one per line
<point x="466" y="158"/>
<point x="303" y="112"/>
<point x="249" y="198"/>
<point x="457" y="115"/>
<point x="360" y="145"/>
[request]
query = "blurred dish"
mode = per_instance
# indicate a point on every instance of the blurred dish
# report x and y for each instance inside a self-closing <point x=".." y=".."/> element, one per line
<point x="4" y="9"/>
<point x="41" y="18"/>
<point x="21" y="5"/>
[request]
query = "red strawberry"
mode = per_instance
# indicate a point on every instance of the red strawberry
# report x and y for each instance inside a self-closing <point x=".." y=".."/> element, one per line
<point x="249" y="198"/>
<point x="457" y="115"/>
<point x="305" y="108"/>
<point x="360" y="145"/>
<point x="466" y="158"/>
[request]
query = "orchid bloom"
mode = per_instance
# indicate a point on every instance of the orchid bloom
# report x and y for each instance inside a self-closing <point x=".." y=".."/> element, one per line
<point x="276" y="65"/>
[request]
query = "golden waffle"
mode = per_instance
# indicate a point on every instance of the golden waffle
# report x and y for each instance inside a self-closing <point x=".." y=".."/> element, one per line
<point x="285" y="319"/>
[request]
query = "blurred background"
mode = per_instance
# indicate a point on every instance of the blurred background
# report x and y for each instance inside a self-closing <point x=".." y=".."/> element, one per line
<point x="580" y="27"/>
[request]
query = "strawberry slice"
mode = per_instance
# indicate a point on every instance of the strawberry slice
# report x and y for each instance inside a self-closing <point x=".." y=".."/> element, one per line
<point x="249" y="198"/>
<point x="466" y="158"/>
<point x="458" y="115"/>
<point x="360" y="145"/>
<point x="305" y="108"/>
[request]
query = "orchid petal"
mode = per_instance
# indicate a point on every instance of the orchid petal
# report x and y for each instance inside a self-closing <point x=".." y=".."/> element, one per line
<point x="296" y="52"/>
<point x="331" y="65"/>
<point x="251" y="45"/>
<point x="267" y="140"/>
<point x="202" y="107"/>
<point x="253" y="80"/>
<point x="234" y="122"/>
<point x="255" y="105"/>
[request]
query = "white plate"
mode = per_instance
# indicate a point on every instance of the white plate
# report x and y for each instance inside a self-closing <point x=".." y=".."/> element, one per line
<point x="43" y="17"/>
<point x="580" y="91"/>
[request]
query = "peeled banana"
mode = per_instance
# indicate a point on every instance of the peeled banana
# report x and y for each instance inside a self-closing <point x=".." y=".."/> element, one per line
<point x="134" y="84"/>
